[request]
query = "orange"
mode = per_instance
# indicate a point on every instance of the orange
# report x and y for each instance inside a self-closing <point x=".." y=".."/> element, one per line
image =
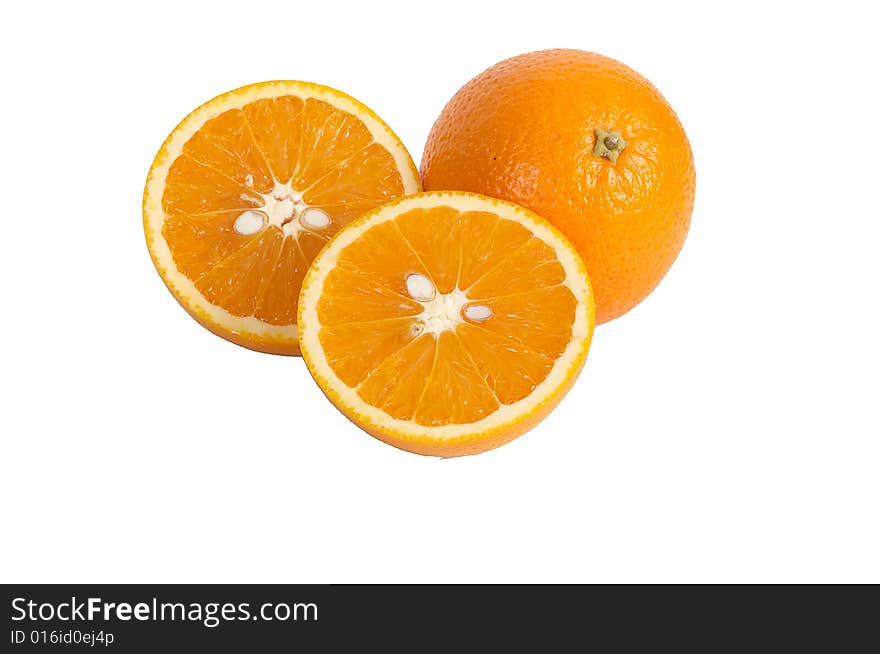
<point x="585" y="142"/>
<point x="249" y="187"/>
<point x="446" y="323"/>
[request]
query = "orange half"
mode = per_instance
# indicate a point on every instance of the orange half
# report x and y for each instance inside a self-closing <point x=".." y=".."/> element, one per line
<point x="249" y="187"/>
<point x="446" y="323"/>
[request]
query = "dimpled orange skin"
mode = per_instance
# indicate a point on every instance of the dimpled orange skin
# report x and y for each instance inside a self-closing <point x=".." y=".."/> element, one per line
<point x="524" y="131"/>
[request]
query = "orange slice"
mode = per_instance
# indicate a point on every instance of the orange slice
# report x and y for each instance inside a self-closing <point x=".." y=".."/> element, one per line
<point x="249" y="187"/>
<point x="446" y="323"/>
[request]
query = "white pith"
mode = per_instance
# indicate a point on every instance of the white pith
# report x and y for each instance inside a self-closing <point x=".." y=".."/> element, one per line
<point x="443" y="312"/>
<point x="154" y="216"/>
<point x="282" y="204"/>
<point x="284" y="208"/>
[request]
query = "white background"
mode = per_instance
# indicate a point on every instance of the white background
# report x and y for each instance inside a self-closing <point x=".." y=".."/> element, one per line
<point x="726" y="430"/>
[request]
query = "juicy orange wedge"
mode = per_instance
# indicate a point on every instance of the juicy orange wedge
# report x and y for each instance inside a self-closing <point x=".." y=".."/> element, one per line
<point x="249" y="187"/>
<point x="446" y="323"/>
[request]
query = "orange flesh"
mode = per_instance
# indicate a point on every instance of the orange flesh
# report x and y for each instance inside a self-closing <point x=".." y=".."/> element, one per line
<point x="459" y="375"/>
<point x="324" y="153"/>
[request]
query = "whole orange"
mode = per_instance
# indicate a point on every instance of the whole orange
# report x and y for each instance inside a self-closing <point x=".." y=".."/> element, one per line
<point x="587" y="143"/>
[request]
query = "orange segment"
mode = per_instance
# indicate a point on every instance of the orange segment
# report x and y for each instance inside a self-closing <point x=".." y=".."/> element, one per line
<point x="383" y="389"/>
<point x="371" y="255"/>
<point x="510" y="369"/>
<point x="235" y="283"/>
<point x="196" y="253"/>
<point x="526" y="268"/>
<point x="247" y="190"/>
<point x="544" y="314"/>
<point x="276" y="303"/>
<point x="226" y="143"/>
<point x="446" y="323"/>
<point x="439" y="250"/>
<point x="275" y="126"/>
<point x="356" y="346"/>
<point x="482" y="236"/>
<point x="455" y="391"/>
<point x="345" y="288"/>
<point x="196" y="188"/>
<point x="358" y="181"/>
<point x="322" y="126"/>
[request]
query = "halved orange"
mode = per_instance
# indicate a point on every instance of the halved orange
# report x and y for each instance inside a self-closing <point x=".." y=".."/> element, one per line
<point x="249" y="187"/>
<point x="446" y="323"/>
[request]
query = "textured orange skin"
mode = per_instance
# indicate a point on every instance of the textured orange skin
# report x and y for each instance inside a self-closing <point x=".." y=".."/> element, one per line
<point x="523" y="131"/>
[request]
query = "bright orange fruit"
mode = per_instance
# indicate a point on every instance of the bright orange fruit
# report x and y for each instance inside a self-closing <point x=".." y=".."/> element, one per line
<point x="585" y="142"/>
<point x="446" y="323"/>
<point x="249" y="187"/>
